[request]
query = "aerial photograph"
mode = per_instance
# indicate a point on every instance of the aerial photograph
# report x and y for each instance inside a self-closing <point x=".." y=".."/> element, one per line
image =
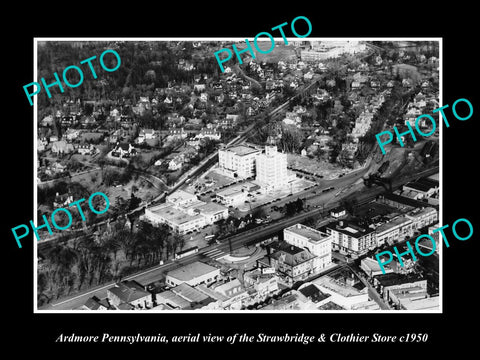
<point x="174" y="183"/>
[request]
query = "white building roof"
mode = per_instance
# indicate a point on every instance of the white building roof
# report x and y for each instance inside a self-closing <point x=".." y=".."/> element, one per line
<point x="181" y="196"/>
<point x="308" y="233"/>
<point x="191" y="271"/>
<point x="242" y="150"/>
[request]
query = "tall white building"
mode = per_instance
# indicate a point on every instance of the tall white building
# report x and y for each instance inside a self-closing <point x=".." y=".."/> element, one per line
<point x="317" y="242"/>
<point x="272" y="168"/>
<point x="238" y="161"/>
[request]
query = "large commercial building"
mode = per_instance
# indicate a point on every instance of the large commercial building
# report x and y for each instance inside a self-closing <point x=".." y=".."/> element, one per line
<point x="181" y="198"/>
<point x="183" y="212"/>
<point x="393" y="231"/>
<point x="238" y="161"/>
<point x="193" y="274"/>
<point x="342" y="294"/>
<point x="236" y="194"/>
<point x="272" y="168"/>
<point x="351" y="238"/>
<point x="372" y="268"/>
<point x="422" y="217"/>
<point x="317" y="242"/>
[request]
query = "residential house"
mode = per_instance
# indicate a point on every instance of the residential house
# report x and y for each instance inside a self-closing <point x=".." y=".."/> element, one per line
<point x="124" y="150"/>
<point x="62" y="147"/>
<point x="86" y="149"/>
<point x="62" y="200"/>
<point x="42" y="144"/>
<point x="87" y="121"/>
<point x="115" y="114"/>
<point x="55" y="168"/>
<point x="176" y="163"/>
<point x="47" y="121"/>
<point x="94" y="303"/>
<point x="199" y="87"/>
<point x="176" y="134"/>
<point x="211" y="134"/>
<point x="129" y="292"/>
<point x="71" y="134"/>
<point x="145" y="134"/>
<point x="204" y="97"/>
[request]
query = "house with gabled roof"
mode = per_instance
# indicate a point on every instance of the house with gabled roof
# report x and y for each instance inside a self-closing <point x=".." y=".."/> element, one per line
<point x="129" y="292"/>
<point x="124" y="150"/>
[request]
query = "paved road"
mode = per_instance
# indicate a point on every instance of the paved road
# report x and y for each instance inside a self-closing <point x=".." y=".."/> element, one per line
<point x="256" y="234"/>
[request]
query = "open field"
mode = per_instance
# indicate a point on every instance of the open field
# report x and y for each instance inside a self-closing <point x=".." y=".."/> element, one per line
<point x="327" y="170"/>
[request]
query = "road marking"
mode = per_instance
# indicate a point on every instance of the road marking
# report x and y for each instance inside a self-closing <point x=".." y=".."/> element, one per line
<point x="215" y="254"/>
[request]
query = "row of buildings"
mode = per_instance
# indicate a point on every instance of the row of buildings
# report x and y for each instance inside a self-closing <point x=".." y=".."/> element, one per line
<point x="191" y="287"/>
<point x="198" y="285"/>
<point x="352" y="238"/>
<point x="302" y="254"/>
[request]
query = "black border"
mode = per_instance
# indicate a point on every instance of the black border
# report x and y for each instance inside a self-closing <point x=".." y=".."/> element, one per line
<point x="456" y="25"/>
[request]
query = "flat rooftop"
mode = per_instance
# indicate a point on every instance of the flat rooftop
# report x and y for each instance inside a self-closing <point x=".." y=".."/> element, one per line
<point x="337" y="287"/>
<point x="223" y="288"/>
<point x="242" y="150"/>
<point x="397" y="279"/>
<point x="430" y="303"/>
<point x="350" y="229"/>
<point x="307" y="232"/>
<point x="237" y="188"/>
<point x="170" y="298"/>
<point x="191" y="271"/>
<point x="181" y="195"/>
<point x="401" y="220"/>
<point x="189" y="293"/>
<point x="174" y="215"/>
<point x="210" y="208"/>
<point x="413" y="292"/>
<point x="423" y="184"/>
<point x="372" y="264"/>
<point x="422" y="211"/>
